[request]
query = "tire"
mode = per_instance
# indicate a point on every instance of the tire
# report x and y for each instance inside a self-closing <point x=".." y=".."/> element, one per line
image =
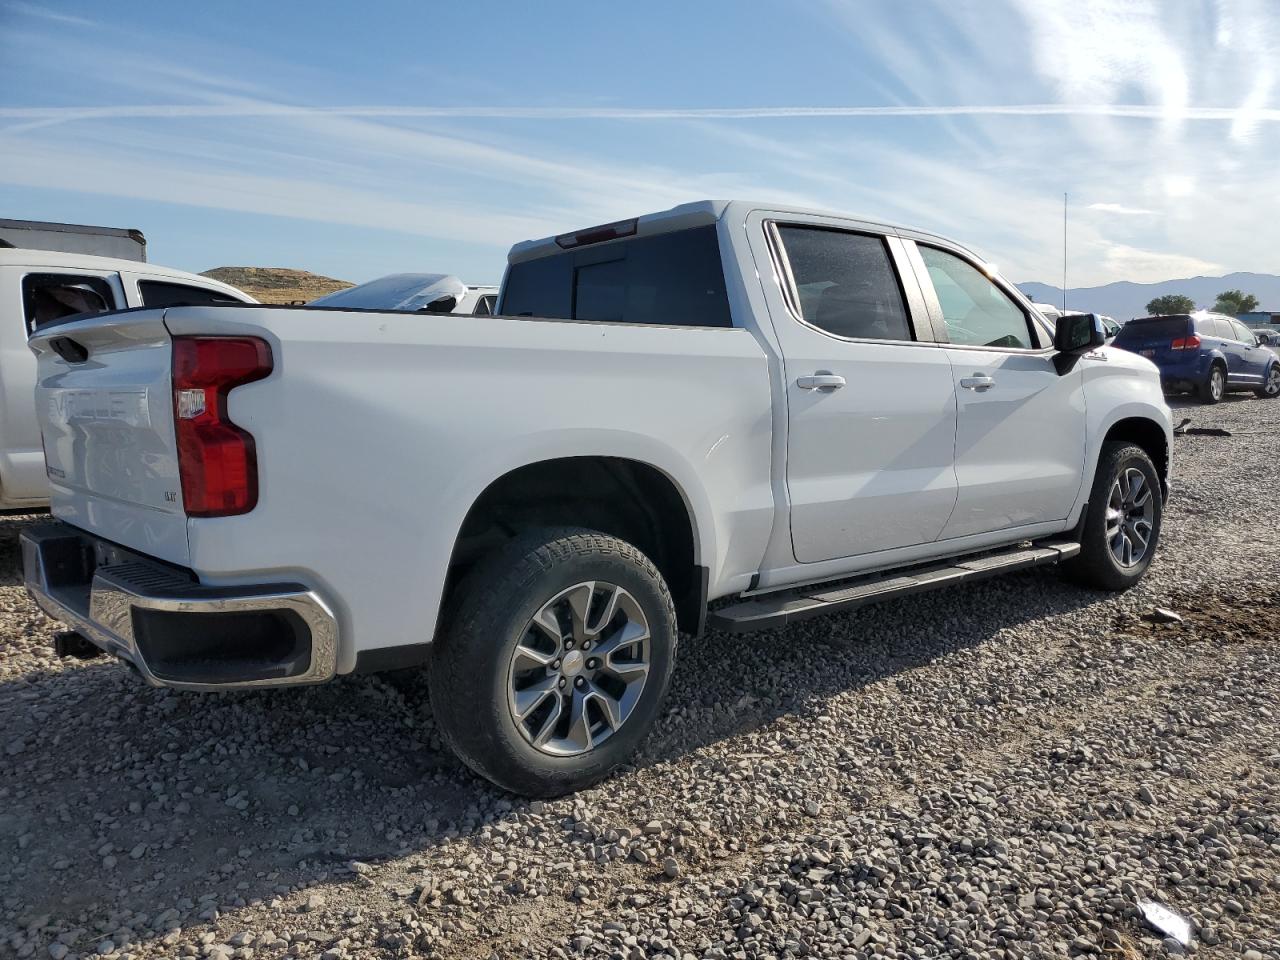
<point x="479" y="680"/>
<point x="1214" y="386"/>
<point x="1097" y="564"/>
<point x="1270" y="383"/>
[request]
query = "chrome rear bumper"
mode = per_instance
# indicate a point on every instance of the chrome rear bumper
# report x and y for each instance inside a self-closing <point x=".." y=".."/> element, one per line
<point x="174" y="630"/>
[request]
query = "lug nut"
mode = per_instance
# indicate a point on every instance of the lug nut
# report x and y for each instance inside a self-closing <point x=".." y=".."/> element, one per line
<point x="592" y="663"/>
<point x="568" y="644"/>
<point x="555" y="664"/>
<point x="586" y="644"/>
<point x="562" y="683"/>
<point x="580" y="682"/>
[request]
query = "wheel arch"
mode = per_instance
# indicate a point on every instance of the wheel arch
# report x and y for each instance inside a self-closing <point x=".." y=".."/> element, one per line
<point x="625" y="497"/>
<point x="1148" y="434"/>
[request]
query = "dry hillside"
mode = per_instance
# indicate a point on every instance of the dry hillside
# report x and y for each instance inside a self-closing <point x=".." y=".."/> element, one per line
<point x="277" y="284"/>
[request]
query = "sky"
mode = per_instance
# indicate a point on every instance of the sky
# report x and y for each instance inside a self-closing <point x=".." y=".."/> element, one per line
<point x="356" y="140"/>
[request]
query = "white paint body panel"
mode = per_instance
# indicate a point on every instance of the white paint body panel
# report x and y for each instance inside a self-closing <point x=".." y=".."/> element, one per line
<point x="22" y="470"/>
<point x="1019" y="444"/>
<point x="376" y="433"/>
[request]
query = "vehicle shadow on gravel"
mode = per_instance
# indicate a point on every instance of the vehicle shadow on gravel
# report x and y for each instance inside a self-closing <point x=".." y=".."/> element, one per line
<point x="128" y="798"/>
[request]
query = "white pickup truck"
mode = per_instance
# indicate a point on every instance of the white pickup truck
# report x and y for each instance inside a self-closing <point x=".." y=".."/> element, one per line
<point x="797" y="411"/>
<point x="41" y="286"/>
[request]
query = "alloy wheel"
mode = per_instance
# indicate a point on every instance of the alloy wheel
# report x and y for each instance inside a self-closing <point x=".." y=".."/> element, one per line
<point x="1131" y="511"/>
<point x="1272" y="386"/>
<point x="1217" y="381"/>
<point x="579" y="668"/>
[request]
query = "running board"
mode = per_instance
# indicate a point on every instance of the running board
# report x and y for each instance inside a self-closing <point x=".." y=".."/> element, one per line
<point x="800" y="603"/>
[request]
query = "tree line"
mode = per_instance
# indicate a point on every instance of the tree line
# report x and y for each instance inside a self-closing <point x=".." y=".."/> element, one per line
<point x="1232" y="302"/>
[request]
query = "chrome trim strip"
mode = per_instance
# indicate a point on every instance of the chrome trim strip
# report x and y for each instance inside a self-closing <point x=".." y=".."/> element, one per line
<point x="112" y="601"/>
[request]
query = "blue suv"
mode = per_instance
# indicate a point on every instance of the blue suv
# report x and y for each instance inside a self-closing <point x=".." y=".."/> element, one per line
<point x="1206" y="353"/>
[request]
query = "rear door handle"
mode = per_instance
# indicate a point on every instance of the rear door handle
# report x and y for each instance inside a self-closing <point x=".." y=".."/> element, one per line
<point x="820" y="381"/>
<point x="977" y="382"/>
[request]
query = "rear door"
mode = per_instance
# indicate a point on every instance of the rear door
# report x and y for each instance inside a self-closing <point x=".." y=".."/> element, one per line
<point x="47" y="296"/>
<point x="1020" y="434"/>
<point x="109" y="433"/>
<point x="870" y="406"/>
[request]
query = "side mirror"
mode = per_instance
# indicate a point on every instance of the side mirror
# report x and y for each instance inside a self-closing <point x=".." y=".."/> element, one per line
<point x="1078" y="333"/>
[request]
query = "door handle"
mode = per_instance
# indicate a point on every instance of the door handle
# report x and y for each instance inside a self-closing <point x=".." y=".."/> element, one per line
<point x="820" y="381"/>
<point x="978" y="382"/>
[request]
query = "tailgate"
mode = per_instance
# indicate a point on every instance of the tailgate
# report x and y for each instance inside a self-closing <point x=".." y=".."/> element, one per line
<point x="107" y="423"/>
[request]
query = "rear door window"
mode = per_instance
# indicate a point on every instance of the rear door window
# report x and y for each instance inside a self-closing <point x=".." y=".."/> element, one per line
<point x="845" y="283"/>
<point x="49" y="297"/>
<point x="1214" y="327"/>
<point x="670" y="278"/>
<point x="159" y="293"/>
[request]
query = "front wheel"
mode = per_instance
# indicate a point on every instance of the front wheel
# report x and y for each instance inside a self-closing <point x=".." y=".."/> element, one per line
<point x="1122" y="526"/>
<point x="554" y="661"/>
<point x="1271" y="383"/>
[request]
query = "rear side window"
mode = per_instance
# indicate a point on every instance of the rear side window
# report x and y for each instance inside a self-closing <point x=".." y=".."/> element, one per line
<point x="672" y="278"/>
<point x="48" y="297"/>
<point x="1213" y="327"/>
<point x="845" y="283"/>
<point x="976" y="311"/>
<point x="157" y="293"/>
<point x="1241" y="332"/>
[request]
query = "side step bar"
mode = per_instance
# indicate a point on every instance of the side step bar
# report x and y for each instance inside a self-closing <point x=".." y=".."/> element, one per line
<point x="800" y="603"/>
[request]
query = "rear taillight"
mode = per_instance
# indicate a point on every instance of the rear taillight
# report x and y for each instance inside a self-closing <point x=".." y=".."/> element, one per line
<point x="216" y="459"/>
<point x="1186" y="343"/>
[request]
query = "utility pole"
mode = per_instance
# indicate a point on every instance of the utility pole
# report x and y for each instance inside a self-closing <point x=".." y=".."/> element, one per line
<point x="1064" y="253"/>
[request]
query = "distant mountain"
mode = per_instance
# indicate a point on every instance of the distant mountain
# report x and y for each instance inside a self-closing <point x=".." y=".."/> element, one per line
<point x="1124" y="300"/>
<point x="277" y="284"/>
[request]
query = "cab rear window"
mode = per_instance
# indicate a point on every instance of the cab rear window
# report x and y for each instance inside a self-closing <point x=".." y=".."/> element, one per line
<point x="671" y="278"/>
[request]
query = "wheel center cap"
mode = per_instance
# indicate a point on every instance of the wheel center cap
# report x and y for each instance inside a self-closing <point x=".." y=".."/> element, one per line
<point x="571" y="665"/>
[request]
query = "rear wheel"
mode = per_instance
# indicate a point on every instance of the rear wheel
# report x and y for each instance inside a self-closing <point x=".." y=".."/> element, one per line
<point x="1122" y="527"/>
<point x="1215" y="385"/>
<point x="555" y="661"/>
<point x="1271" y="383"/>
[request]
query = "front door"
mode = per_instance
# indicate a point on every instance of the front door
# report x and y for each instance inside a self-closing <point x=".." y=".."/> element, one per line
<point x="1253" y="359"/>
<point x="870" y="401"/>
<point x="1020" y="434"/>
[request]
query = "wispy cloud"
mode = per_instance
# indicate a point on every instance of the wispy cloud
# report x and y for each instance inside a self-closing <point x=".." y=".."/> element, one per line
<point x="31" y="10"/>
<point x="1136" y="111"/>
<point x="1121" y="209"/>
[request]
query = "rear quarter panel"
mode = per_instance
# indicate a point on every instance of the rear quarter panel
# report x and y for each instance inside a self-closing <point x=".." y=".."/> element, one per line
<point x="377" y="432"/>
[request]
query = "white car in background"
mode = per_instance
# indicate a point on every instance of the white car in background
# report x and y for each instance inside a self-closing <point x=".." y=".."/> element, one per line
<point x="39" y="288"/>
<point x="415" y="293"/>
<point x="1052" y="313"/>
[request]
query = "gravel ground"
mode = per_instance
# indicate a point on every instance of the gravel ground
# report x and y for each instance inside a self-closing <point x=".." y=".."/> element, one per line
<point x="1000" y="771"/>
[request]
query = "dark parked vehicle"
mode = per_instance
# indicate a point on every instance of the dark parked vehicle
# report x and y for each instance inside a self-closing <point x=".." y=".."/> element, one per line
<point x="1205" y="353"/>
<point x="1268" y="338"/>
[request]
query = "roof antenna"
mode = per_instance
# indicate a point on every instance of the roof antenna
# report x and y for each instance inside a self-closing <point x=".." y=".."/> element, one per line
<point x="1064" y="253"/>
